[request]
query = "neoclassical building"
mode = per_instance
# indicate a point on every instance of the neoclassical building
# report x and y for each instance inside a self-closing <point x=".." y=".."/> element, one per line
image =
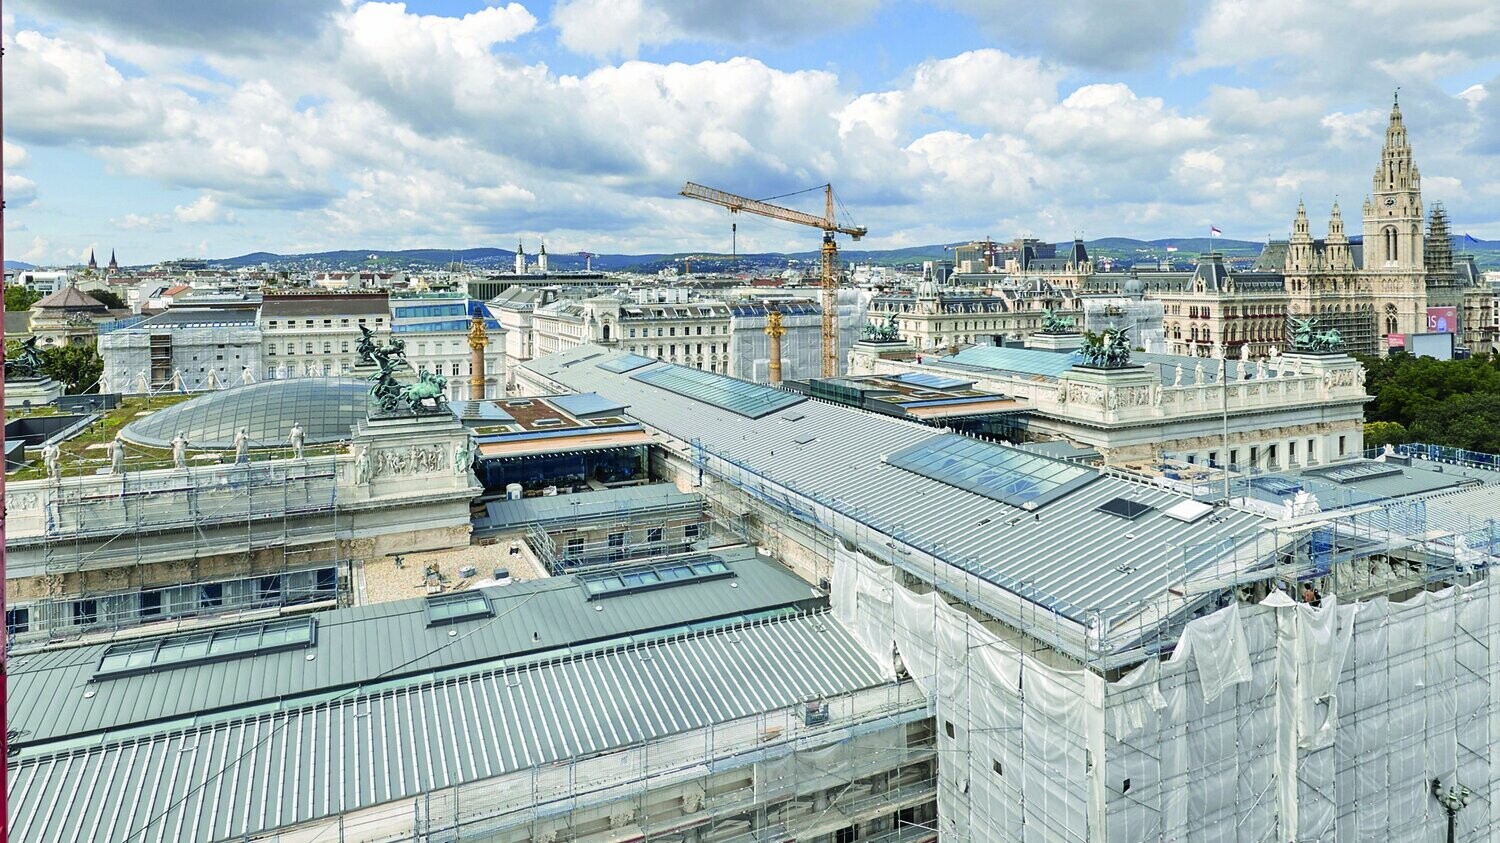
<point x="1400" y="280"/>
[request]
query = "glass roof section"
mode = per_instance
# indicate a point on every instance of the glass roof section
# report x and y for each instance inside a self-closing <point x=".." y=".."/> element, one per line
<point x="1008" y="475"/>
<point x="618" y="581"/>
<point x="1029" y="361"/>
<point x="750" y="400"/>
<point x="625" y="363"/>
<point x="930" y="380"/>
<point x="210" y="645"/>
<point x="327" y="409"/>
<point x="452" y="608"/>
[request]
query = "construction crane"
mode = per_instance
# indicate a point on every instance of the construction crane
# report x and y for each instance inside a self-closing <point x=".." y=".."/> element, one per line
<point x="687" y="262"/>
<point x="830" y="227"/>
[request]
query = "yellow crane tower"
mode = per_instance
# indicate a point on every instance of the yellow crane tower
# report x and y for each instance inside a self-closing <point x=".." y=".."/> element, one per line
<point x="830" y="227"/>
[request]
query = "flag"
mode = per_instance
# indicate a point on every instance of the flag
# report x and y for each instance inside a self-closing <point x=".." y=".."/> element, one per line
<point x="1214" y="232"/>
<point x="1469" y="238"/>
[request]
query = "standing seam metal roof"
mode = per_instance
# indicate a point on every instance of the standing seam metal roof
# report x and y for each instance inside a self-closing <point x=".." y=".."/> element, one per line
<point x="1066" y="557"/>
<point x="47" y="699"/>
<point x="288" y="767"/>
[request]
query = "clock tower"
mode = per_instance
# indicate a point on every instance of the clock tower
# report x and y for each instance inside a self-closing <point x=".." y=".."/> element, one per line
<point x="1393" y="212"/>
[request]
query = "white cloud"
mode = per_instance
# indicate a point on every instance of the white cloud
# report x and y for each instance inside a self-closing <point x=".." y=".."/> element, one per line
<point x="1353" y="131"/>
<point x="139" y="222"/>
<point x="395" y="128"/>
<point x="606" y="28"/>
<point x="204" y="209"/>
<point x="72" y="94"/>
<point x="20" y="191"/>
<point x="38" y="251"/>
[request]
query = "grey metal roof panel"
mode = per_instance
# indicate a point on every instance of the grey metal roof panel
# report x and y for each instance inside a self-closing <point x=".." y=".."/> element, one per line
<point x="248" y="775"/>
<point x="1066" y="557"/>
<point x="47" y="690"/>
<point x="622" y="501"/>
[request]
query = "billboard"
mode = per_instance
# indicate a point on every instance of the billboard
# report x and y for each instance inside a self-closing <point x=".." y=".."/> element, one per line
<point x="1437" y="344"/>
<point x="1442" y="320"/>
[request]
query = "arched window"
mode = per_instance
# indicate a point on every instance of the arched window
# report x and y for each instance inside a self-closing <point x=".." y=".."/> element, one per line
<point x="1390" y="244"/>
<point x="606" y="332"/>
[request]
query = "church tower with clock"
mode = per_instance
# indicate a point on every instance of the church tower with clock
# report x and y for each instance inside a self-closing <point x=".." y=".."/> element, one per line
<point x="1393" y="211"/>
<point x="1393" y="257"/>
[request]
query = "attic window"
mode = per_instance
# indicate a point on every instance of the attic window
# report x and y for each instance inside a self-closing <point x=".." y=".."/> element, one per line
<point x="548" y="422"/>
<point x="521" y="403"/>
<point x="1125" y="508"/>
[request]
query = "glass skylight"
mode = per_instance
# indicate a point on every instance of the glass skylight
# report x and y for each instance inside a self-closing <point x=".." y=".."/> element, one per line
<point x="625" y="363"/>
<point x="747" y="399"/>
<point x="1008" y="475"/>
<point x="618" y="581"/>
<point x="208" y="645"/>
<point x="453" y="608"/>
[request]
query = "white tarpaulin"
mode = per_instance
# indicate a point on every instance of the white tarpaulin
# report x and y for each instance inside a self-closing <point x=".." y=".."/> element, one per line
<point x="1269" y="723"/>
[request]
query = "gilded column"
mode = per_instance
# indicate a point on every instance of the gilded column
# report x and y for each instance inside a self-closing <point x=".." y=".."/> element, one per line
<point x="478" y="339"/>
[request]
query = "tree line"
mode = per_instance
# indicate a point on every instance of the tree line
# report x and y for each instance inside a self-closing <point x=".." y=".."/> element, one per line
<point x="1440" y="402"/>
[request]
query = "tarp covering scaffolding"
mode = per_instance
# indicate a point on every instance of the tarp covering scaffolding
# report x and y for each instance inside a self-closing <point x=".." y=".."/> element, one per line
<point x="1277" y="721"/>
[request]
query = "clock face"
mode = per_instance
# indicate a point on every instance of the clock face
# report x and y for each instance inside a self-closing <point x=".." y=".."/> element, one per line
<point x="1390" y="201"/>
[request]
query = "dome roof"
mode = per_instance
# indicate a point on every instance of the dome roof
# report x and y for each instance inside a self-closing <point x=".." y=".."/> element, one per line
<point x="327" y="408"/>
<point x="1134" y="286"/>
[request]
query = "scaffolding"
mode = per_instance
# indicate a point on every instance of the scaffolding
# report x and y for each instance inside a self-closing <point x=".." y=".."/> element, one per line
<point x="1227" y="709"/>
<point x="106" y="552"/>
<point x="631" y="531"/>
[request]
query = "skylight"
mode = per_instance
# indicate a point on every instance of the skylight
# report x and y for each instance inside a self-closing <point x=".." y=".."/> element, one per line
<point x="1008" y="475"/>
<point x="453" y="608"/>
<point x="618" y="581"/>
<point x="1124" y="508"/>
<point x="750" y="400"/>
<point x="209" y="645"/>
<point x="625" y="363"/>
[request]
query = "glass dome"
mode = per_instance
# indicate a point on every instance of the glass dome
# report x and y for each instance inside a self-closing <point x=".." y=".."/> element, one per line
<point x="327" y="408"/>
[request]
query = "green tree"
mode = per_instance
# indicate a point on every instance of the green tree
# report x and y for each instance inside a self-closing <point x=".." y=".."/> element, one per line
<point x="108" y="298"/>
<point x="1469" y="421"/>
<point x="77" y="367"/>
<point x="19" y="297"/>
<point x="1381" y="433"/>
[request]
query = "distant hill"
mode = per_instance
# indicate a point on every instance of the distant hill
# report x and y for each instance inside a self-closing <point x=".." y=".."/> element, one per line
<point x="1124" y="250"/>
<point x="18" y="265"/>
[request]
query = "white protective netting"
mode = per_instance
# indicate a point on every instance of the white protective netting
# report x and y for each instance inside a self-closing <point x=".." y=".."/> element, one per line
<point x="1270" y="722"/>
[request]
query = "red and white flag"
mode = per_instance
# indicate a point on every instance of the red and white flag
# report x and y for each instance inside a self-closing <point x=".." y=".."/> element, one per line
<point x="1214" y="232"/>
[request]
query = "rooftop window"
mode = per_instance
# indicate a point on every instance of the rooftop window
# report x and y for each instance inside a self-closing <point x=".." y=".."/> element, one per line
<point x="626" y="363"/>
<point x="751" y="400"/>
<point x="1008" y="475"/>
<point x="454" y="608"/>
<point x="209" y="645"/>
<point x="618" y="581"/>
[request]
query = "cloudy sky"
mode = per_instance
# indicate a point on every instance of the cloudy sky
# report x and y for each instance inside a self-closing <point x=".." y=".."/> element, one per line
<point x="169" y="128"/>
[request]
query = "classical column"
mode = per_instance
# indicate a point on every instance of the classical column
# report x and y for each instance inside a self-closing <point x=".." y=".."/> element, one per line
<point x="775" y="331"/>
<point x="478" y="339"/>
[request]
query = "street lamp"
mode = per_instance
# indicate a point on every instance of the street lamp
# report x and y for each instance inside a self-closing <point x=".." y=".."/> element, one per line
<point x="1453" y="799"/>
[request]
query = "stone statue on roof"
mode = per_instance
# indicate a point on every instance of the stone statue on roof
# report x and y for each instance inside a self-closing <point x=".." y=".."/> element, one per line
<point x="26" y="364"/>
<point x="365" y="345"/>
<point x="179" y="450"/>
<point x="1054" y="323"/>
<point x="1109" y="349"/>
